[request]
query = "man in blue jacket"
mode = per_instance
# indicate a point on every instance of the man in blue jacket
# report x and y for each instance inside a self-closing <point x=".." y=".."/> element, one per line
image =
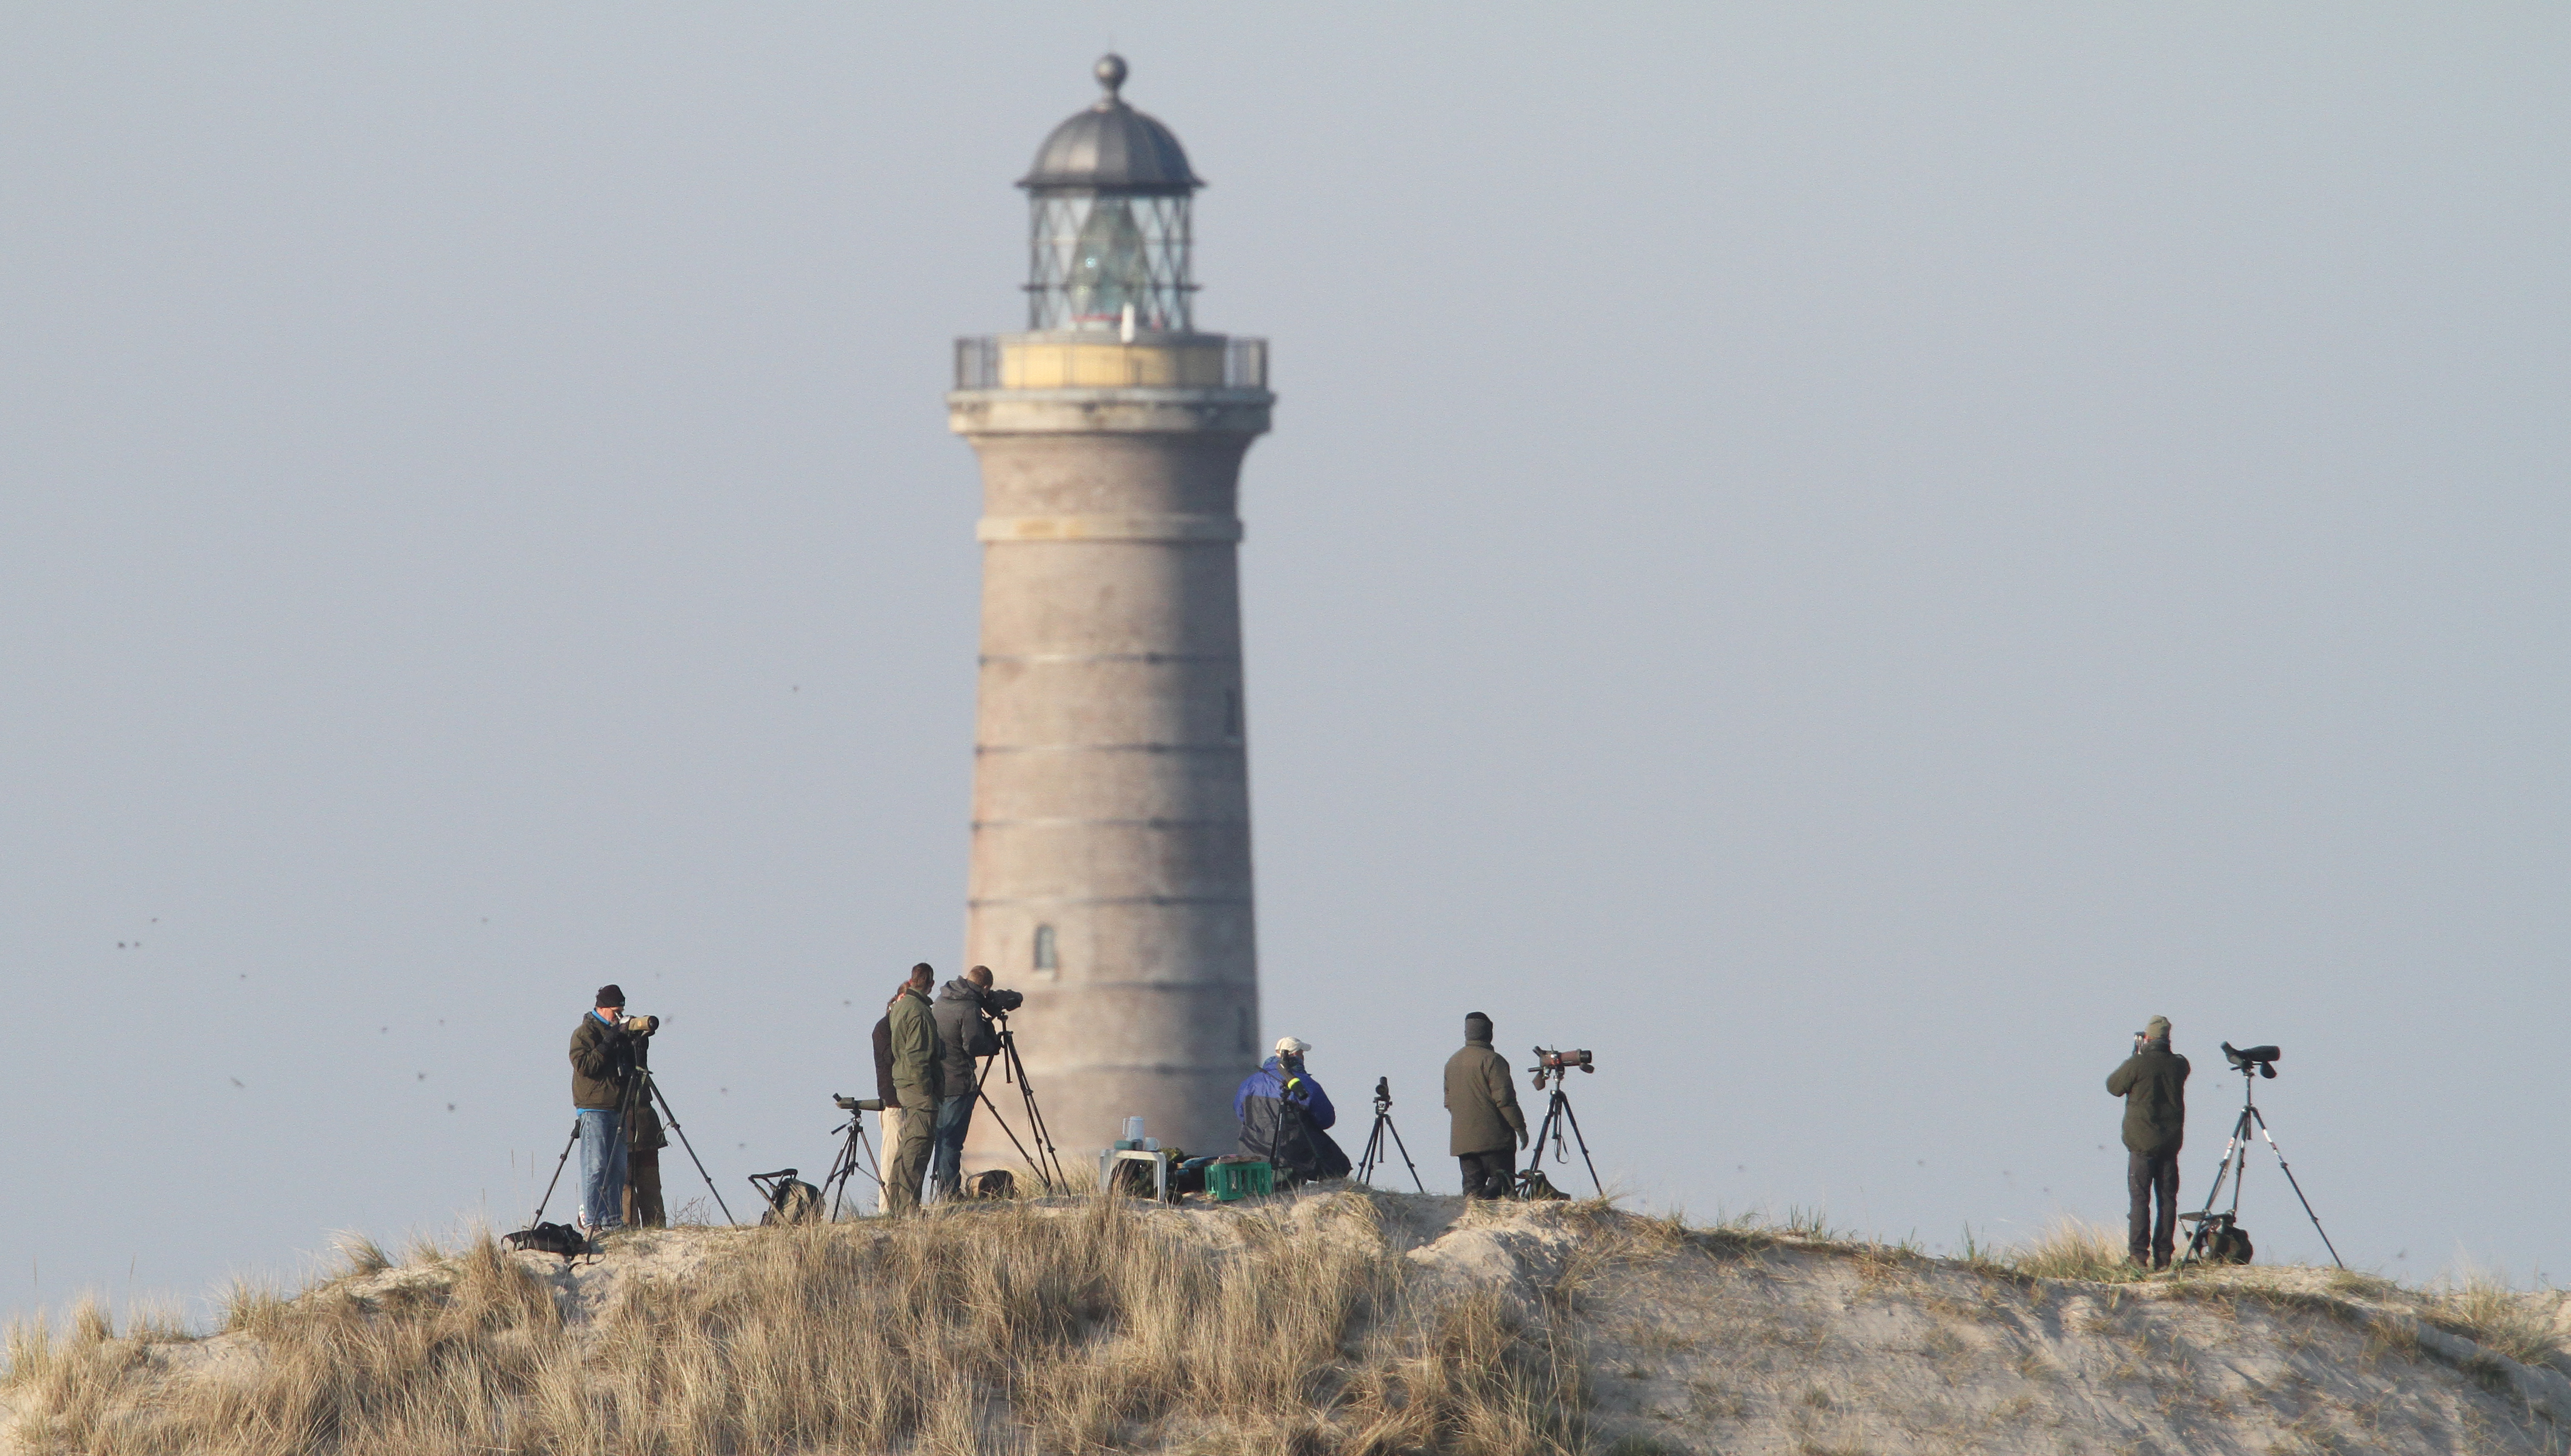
<point x="1285" y="1117"/>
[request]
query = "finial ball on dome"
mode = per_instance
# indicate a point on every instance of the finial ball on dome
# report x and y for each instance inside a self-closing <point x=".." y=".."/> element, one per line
<point x="1111" y="73"/>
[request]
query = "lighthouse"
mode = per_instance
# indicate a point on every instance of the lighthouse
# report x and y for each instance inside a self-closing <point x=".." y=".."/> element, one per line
<point x="1110" y="876"/>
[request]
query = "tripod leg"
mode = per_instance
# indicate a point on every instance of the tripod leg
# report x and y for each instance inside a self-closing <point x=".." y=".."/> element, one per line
<point x="1011" y="1133"/>
<point x="557" y="1178"/>
<point x="1048" y="1171"/>
<point x="843" y="1163"/>
<point x="692" y="1152"/>
<point x="2221" y="1172"/>
<point x="1573" y="1117"/>
<point x="2298" y="1192"/>
<point x="1405" y="1154"/>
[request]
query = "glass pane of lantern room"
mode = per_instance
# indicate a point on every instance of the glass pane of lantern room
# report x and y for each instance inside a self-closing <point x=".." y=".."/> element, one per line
<point x="1110" y="269"/>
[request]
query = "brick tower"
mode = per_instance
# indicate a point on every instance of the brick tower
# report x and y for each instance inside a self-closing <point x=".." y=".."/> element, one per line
<point x="1109" y="877"/>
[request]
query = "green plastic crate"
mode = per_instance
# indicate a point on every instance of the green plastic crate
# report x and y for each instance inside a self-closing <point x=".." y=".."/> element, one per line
<point x="1226" y="1181"/>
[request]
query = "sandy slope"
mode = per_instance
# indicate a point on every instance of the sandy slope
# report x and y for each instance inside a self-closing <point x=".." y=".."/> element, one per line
<point x="1744" y="1341"/>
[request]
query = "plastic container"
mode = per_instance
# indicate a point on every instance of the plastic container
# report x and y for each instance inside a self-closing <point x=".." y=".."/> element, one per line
<point x="1133" y="1131"/>
<point x="1227" y="1181"/>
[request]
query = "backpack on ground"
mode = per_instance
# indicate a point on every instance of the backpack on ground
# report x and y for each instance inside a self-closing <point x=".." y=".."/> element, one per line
<point x="1534" y="1186"/>
<point x="561" y="1238"/>
<point x="998" y="1182"/>
<point x="790" y="1200"/>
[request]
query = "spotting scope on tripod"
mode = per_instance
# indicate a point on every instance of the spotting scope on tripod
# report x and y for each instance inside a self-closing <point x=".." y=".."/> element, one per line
<point x="1555" y="1066"/>
<point x="2219" y="1237"/>
<point x="846" y="1163"/>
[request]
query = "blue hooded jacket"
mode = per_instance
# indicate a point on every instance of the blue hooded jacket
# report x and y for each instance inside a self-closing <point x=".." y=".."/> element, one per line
<point x="1271" y="1080"/>
<point x="1283" y="1114"/>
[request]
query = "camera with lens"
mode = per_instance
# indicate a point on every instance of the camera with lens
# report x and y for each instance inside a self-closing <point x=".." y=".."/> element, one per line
<point x="1001" y="1003"/>
<point x="2262" y="1060"/>
<point x="1553" y="1062"/>
<point x="640" y="1025"/>
<point x="857" y="1104"/>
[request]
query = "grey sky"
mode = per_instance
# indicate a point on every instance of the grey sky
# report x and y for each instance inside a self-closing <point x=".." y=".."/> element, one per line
<point x="1840" y="557"/>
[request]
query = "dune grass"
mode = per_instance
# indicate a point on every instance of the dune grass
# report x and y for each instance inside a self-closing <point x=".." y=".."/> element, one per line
<point x="992" y="1327"/>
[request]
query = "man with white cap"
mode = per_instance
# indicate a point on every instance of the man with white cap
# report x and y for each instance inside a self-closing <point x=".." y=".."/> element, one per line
<point x="1285" y="1117"/>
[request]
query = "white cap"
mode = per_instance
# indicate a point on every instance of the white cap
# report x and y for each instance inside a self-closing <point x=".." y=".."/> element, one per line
<point x="1292" y="1046"/>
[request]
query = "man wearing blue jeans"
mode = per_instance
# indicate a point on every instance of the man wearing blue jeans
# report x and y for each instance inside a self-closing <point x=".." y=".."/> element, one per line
<point x="602" y="1060"/>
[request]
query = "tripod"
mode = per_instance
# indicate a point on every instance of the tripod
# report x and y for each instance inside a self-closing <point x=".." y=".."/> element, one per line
<point x="651" y="1089"/>
<point x="2215" y="1232"/>
<point x="1046" y="1163"/>
<point x="846" y="1163"/>
<point x="1558" y="1116"/>
<point x="1375" y="1148"/>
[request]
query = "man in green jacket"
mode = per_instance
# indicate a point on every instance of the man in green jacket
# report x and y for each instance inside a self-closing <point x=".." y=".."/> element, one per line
<point x="1482" y="1112"/>
<point x="2153" y="1083"/>
<point x="917" y="1078"/>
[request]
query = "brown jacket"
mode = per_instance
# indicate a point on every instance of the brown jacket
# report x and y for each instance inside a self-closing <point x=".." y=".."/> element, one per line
<point x="1481" y="1101"/>
<point x="599" y="1058"/>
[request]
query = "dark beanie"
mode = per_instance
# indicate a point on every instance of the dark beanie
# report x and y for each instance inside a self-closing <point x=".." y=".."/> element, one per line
<point x="1478" y="1027"/>
<point x="611" y="993"/>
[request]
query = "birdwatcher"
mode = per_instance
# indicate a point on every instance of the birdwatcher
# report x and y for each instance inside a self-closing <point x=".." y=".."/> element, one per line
<point x="1285" y="1117"/>
<point x="917" y="1069"/>
<point x="643" y="1140"/>
<point x="1482" y="1113"/>
<point x="888" y="1121"/>
<point x="2153" y="1083"/>
<point x="602" y="1060"/>
<point x="964" y="1035"/>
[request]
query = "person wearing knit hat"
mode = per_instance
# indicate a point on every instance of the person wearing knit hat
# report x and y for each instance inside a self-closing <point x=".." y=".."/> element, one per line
<point x="1482" y="1112"/>
<point x="2153" y="1083"/>
<point x="602" y="1062"/>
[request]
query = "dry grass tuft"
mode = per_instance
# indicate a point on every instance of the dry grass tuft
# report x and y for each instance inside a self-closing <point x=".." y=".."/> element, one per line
<point x="998" y="1326"/>
<point x="2072" y="1250"/>
<point x="2481" y="1308"/>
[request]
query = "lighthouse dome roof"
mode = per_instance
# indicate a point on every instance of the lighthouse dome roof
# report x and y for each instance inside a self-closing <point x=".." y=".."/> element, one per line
<point x="1112" y="147"/>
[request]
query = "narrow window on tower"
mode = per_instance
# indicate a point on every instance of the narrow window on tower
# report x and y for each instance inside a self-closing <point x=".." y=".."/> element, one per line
<point x="1232" y="714"/>
<point x="1045" y="959"/>
<point x="1249" y="1038"/>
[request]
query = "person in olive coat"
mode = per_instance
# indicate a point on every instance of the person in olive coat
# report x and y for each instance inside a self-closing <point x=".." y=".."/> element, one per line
<point x="918" y="1076"/>
<point x="2153" y="1083"/>
<point x="1482" y="1113"/>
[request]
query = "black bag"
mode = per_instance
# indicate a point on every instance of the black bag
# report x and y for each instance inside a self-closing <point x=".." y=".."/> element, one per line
<point x="998" y="1182"/>
<point x="561" y="1238"/>
<point x="1534" y="1186"/>
<point x="790" y="1200"/>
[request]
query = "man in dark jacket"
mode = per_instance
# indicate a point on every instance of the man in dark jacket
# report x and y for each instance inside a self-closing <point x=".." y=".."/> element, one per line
<point x="602" y="1062"/>
<point x="965" y="1036"/>
<point x="1482" y="1112"/>
<point x="1285" y="1117"/>
<point x="917" y="1068"/>
<point x="2153" y="1083"/>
